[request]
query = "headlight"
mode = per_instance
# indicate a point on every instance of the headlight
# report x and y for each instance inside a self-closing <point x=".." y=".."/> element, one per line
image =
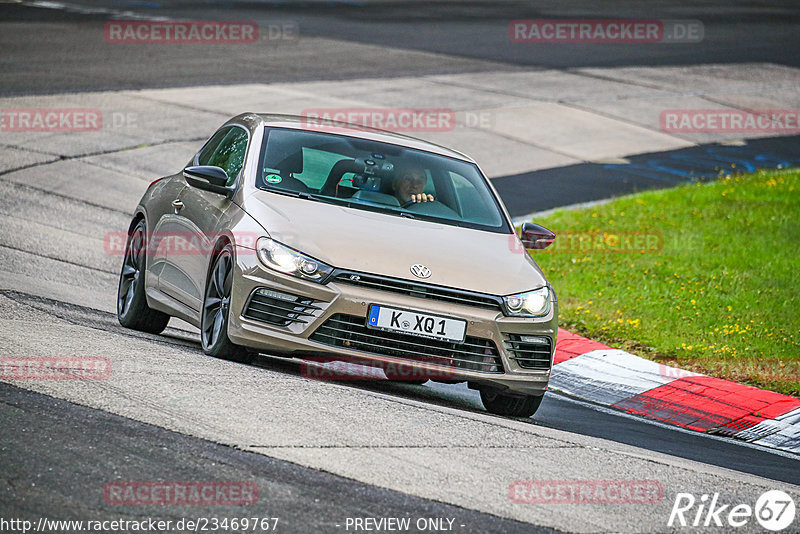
<point x="286" y="260"/>
<point x="534" y="303"/>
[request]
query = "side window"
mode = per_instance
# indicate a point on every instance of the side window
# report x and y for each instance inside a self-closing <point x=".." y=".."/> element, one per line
<point x="207" y="151"/>
<point x="226" y="150"/>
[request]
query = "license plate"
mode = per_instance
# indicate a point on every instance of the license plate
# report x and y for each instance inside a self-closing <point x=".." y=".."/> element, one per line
<point x="416" y="323"/>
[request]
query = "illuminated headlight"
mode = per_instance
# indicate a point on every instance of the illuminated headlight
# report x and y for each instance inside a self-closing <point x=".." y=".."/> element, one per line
<point x="534" y="303"/>
<point x="286" y="260"/>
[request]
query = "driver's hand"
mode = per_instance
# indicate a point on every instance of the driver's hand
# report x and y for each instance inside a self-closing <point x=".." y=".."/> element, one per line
<point x="421" y="197"/>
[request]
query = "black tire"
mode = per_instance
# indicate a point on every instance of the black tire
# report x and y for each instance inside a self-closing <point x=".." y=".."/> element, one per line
<point x="216" y="309"/>
<point x="508" y="405"/>
<point x="132" y="309"/>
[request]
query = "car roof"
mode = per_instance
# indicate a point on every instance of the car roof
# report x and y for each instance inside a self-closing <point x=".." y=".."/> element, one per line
<point x="354" y="130"/>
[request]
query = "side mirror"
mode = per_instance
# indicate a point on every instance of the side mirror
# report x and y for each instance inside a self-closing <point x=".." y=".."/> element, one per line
<point x="208" y="178"/>
<point x="536" y="236"/>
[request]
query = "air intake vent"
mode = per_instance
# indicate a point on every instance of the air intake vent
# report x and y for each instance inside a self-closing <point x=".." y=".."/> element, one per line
<point x="530" y="352"/>
<point x="278" y="308"/>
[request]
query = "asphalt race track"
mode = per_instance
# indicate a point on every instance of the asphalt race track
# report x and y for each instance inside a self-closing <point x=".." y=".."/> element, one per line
<point x="323" y="453"/>
<point x="342" y="40"/>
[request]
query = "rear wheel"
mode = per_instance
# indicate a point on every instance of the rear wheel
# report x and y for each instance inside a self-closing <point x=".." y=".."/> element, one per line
<point x="216" y="310"/>
<point x="132" y="309"/>
<point x="509" y="405"/>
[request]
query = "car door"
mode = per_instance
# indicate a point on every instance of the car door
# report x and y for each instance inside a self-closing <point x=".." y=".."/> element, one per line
<point x="197" y="216"/>
<point x="160" y="213"/>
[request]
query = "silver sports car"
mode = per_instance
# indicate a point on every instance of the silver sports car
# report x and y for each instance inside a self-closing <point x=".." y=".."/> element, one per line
<point x="325" y="241"/>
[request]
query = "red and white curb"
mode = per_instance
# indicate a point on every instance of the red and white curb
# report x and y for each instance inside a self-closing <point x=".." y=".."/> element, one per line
<point x="595" y="372"/>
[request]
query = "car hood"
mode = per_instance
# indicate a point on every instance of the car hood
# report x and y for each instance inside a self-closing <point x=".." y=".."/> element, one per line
<point x="389" y="245"/>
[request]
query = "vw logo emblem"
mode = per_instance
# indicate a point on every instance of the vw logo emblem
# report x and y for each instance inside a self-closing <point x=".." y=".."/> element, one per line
<point x="420" y="271"/>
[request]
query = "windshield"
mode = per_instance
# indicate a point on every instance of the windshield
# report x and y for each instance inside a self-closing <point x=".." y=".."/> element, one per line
<point x="376" y="176"/>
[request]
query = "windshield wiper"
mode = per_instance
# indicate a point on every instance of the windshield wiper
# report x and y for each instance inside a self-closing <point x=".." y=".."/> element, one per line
<point x="407" y="215"/>
<point x="296" y="194"/>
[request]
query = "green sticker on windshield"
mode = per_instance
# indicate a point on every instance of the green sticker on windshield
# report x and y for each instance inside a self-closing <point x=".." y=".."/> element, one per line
<point x="273" y="178"/>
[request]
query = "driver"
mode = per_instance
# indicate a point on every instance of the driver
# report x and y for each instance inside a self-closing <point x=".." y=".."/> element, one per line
<point x="408" y="185"/>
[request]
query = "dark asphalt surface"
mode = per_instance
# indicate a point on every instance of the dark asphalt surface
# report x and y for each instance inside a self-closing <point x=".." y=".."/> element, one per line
<point x="548" y="188"/>
<point x="562" y="413"/>
<point x="53" y="51"/>
<point x="57" y="457"/>
<point x="50" y="50"/>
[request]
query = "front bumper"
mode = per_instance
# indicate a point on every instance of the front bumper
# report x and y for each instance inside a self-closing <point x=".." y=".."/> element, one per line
<point x="330" y="302"/>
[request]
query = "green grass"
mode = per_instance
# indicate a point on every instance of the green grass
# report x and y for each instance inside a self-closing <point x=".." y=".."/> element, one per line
<point x="710" y="286"/>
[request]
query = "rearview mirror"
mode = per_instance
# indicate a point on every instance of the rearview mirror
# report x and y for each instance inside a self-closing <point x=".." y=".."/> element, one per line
<point x="536" y="236"/>
<point x="208" y="178"/>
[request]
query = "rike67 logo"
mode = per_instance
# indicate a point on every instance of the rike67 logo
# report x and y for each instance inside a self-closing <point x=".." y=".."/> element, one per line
<point x="774" y="510"/>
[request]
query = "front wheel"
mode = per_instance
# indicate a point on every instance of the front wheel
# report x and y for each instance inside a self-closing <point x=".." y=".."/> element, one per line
<point x="132" y="309"/>
<point x="216" y="310"/>
<point x="509" y="405"/>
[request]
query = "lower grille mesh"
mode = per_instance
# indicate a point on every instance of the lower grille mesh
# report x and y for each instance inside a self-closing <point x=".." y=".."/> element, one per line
<point x="278" y="308"/>
<point x="530" y="352"/>
<point x="349" y="331"/>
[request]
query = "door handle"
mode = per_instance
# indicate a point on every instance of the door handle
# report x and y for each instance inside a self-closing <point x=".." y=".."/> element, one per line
<point x="177" y="205"/>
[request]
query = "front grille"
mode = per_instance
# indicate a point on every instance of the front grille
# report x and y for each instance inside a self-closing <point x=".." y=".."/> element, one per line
<point x="530" y="352"/>
<point x="278" y="308"/>
<point x="349" y="331"/>
<point x="419" y="290"/>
